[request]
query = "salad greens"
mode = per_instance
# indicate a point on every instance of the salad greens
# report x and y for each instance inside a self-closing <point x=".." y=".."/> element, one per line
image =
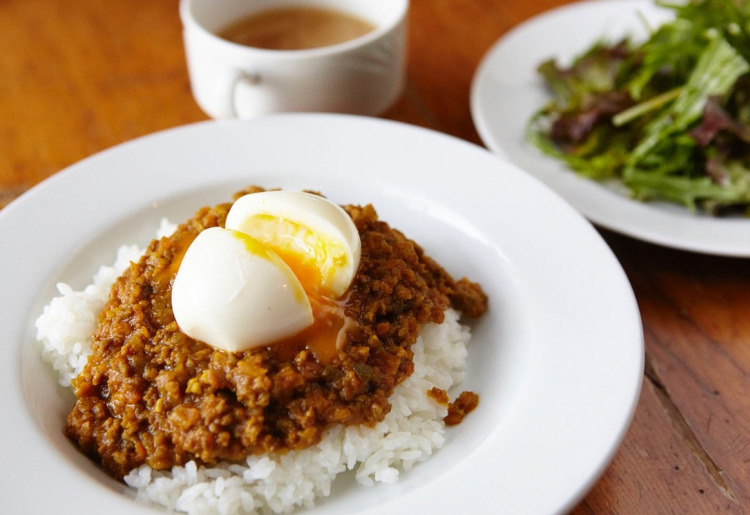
<point x="668" y="117"/>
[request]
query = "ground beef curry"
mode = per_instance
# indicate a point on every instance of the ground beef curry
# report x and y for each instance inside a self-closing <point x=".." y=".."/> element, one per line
<point x="149" y="394"/>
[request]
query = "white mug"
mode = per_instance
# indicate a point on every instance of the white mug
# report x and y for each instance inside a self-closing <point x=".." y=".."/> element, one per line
<point x="364" y="75"/>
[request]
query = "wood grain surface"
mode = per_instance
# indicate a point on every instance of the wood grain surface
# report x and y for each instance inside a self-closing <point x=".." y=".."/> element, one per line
<point x="79" y="77"/>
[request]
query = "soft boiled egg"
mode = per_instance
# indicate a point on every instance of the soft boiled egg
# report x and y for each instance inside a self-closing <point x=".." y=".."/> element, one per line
<point x="251" y="283"/>
<point x="314" y="236"/>
<point x="234" y="293"/>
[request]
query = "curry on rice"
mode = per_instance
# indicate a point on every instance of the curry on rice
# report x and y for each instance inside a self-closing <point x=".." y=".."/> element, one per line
<point x="149" y="394"/>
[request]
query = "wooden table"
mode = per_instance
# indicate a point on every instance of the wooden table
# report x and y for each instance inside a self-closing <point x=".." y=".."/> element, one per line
<point x="78" y="77"/>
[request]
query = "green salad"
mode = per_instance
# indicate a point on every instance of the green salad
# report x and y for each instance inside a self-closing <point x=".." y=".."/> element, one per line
<point x="669" y="117"/>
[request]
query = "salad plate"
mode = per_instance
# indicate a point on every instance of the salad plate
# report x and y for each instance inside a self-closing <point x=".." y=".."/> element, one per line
<point x="507" y="91"/>
<point x="557" y="360"/>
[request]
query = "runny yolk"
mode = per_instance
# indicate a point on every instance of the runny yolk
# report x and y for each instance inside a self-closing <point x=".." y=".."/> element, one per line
<point x="328" y="333"/>
<point x="305" y="268"/>
<point x="324" y="338"/>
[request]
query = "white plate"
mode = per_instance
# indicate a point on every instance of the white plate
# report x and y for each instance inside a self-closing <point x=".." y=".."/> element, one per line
<point x="507" y="90"/>
<point x="557" y="361"/>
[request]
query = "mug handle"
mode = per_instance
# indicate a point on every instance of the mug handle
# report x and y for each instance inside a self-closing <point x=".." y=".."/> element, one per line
<point x="231" y="82"/>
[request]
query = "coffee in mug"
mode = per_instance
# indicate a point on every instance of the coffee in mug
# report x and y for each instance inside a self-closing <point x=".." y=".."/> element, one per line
<point x="296" y="28"/>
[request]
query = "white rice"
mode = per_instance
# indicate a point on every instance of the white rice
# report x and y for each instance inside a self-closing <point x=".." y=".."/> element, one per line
<point x="408" y="435"/>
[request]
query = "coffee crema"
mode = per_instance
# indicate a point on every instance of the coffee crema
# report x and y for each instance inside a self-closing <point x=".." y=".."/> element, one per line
<point x="295" y="28"/>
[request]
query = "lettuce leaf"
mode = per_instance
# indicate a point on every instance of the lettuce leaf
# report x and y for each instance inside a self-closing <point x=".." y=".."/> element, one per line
<point x="669" y="117"/>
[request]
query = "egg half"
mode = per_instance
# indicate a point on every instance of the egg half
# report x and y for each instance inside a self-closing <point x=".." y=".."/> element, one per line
<point x="250" y="283"/>
<point x="314" y="236"/>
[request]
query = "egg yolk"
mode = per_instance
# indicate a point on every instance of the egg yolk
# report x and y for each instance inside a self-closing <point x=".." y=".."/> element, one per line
<point x="315" y="259"/>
